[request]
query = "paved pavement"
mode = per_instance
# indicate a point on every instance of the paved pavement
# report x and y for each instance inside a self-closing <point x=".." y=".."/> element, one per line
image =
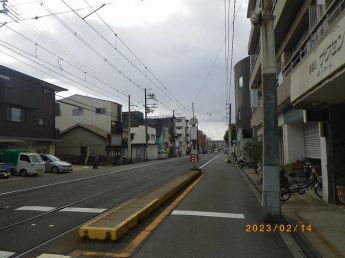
<point x="211" y="221"/>
<point x="327" y="221"/>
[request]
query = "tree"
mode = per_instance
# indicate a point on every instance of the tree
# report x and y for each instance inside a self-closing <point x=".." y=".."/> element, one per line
<point x="233" y="134"/>
<point x="253" y="150"/>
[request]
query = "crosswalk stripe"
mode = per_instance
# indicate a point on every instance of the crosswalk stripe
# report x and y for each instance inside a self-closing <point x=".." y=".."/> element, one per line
<point x="209" y="214"/>
<point x="35" y="208"/>
<point x="4" y="254"/>
<point x="67" y="209"/>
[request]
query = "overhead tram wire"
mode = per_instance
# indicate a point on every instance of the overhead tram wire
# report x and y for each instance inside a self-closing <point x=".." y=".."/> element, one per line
<point x="146" y="68"/>
<point x="120" y="53"/>
<point x="103" y="58"/>
<point x="5" y="46"/>
<point x="208" y="74"/>
<point x="53" y="44"/>
<point x="100" y="55"/>
<point x="43" y="16"/>
<point x="91" y="38"/>
<point x="107" y="96"/>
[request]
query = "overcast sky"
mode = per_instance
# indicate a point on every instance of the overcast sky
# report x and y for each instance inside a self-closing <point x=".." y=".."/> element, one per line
<point x="177" y="41"/>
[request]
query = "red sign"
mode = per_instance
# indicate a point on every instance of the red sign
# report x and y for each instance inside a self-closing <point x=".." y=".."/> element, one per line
<point x="194" y="158"/>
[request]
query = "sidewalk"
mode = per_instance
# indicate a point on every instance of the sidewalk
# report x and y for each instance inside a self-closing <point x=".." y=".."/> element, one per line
<point x="327" y="221"/>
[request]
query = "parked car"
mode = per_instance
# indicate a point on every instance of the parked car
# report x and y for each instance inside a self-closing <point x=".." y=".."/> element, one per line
<point x="163" y="155"/>
<point x="56" y="165"/>
<point x="24" y="163"/>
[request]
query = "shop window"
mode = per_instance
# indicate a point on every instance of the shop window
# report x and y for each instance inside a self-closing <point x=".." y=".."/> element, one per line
<point x="43" y="122"/>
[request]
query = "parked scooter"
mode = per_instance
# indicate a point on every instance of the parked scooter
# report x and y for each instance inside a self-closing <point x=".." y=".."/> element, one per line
<point x="241" y="162"/>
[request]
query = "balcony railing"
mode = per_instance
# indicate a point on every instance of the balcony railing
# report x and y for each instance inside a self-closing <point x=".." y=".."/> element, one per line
<point x="330" y="15"/>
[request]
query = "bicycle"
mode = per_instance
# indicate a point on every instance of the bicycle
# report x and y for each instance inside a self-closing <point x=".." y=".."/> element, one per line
<point x="314" y="181"/>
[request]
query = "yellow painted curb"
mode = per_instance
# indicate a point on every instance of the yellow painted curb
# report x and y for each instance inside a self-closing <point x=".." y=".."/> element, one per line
<point x="115" y="231"/>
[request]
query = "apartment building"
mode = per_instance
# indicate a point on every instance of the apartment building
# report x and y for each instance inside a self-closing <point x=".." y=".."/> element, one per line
<point x="89" y="126"/>
<point x="243" y="106"/>
<point x="27" y="112"/>
<point x="181" y="135"/>
<point x="310" y="68"/>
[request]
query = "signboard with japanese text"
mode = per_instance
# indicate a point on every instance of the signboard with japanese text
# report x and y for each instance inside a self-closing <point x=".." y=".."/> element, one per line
<point x="322" y="61"/>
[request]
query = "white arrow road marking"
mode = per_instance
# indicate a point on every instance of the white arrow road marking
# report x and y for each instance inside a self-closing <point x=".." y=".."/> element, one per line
<point x="209" y="214"/>
<point x="52" y="256"/>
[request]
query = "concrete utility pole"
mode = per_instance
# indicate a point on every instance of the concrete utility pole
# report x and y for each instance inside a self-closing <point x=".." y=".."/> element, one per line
<point x="174" y="141"/>
<point x="146" y="144"/>
<point x="229" y="134"/>
<point x="129" y="129"/>
<point x="271" y="186"/>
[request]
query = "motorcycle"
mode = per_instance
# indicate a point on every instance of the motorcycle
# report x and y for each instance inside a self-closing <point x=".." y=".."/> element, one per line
<point x="241" y="163"/>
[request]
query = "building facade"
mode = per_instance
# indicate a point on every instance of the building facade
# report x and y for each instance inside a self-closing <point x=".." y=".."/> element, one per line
<point x="310" y="60"/>
<point x="27" y="112"/>
<point x="243" y="105"/>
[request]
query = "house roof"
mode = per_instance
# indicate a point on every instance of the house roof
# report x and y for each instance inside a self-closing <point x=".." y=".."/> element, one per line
<point x="91" y="128"/>
<point x="55" y="88"/>
<point x="91" y="98"/>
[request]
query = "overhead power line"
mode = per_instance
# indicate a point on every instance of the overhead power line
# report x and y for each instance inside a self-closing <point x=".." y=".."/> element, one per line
<point x="119" y="52"/>
<point x="214" y="62"/>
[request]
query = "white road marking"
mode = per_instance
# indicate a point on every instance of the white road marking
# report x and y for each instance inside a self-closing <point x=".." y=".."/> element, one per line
<point x="209" y="214"/>
<point x="35" y="208"/>
<point x="4" y="254"/>
<point x="67" y="209"/>
<point x="52" y="256"/>
<point x="208" y="161"/>
<point x="90" y="210"/>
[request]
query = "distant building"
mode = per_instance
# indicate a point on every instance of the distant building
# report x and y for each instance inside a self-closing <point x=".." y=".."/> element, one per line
<point x="81" y="116"/>
<point x="27" y="112"/>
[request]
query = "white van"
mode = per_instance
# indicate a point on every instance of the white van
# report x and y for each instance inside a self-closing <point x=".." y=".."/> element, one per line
<point x="29" y="164"/>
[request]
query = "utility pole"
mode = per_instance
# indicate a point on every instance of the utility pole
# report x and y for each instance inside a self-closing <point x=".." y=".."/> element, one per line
<point x="174" y="140"/>
<point x="147" y="96"/>
<point x="4" y="9"/>
<point x="271" y="210"/>
<point x="229" y="134"/>
<point x="146" y="144"/>
<point x="129" y="129"/>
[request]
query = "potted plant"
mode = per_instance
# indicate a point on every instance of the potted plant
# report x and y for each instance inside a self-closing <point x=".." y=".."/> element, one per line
<point x="283" y="171"/>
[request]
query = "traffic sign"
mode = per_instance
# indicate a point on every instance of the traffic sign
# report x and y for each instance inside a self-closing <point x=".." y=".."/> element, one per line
<point x="193" y="121"/>
<point x="194" y="158"/>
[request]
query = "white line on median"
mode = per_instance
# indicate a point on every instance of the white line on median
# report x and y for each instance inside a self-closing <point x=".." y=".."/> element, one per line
<point x="209" y="161"/>
<point x="209" y="214"/>
<point x="52" y="256"/>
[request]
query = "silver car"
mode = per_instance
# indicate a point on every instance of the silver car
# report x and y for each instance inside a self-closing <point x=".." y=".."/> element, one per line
<point x="55" y="165"/>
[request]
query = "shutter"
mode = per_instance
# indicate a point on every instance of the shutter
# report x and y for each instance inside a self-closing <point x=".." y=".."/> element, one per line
<point x="312" y="140"/>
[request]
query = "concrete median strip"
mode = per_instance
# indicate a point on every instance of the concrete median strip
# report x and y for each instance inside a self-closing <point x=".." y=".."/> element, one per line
<point x="117" y="222"/>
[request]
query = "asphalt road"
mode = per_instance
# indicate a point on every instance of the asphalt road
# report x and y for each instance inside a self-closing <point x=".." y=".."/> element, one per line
<point x="22" y="230"/>
<point x="223" y="191"/>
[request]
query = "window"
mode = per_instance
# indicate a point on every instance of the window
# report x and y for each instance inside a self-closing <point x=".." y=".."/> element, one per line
<point x="15" y="115"/>
<point x="43" y="122"/>
<point x="153" y="137"/>
<point x="25" y="158"/>
<point x="132" y="136"/>
<point x="240" y="82"/>
<point x="101" y="111"/>
<point x="78" y="112"/>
